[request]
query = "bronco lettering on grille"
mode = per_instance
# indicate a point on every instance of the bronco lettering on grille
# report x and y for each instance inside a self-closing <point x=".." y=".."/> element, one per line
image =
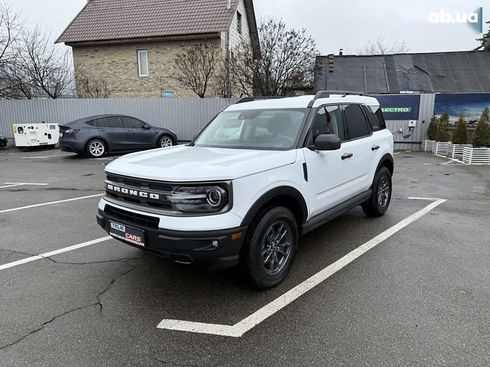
<point x="131" y="192"/>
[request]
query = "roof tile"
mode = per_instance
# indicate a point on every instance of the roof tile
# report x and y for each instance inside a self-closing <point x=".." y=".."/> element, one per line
<point x="102" y="20"/>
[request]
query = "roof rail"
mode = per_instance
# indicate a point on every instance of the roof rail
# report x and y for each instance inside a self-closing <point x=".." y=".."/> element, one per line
<point x="328" y="93"/>
<point x="257" y="98"/>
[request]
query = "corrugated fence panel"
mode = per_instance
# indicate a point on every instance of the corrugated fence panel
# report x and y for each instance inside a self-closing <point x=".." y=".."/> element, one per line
<point x="414" y="141"/>
<point x="185" y="117"/>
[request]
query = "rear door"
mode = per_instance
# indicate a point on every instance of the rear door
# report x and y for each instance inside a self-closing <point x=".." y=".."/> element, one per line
<point x="137" y="136"/>
<point x="378" y="139"/>
<point x="112" y="130"/>
<point x="357" y="153"/>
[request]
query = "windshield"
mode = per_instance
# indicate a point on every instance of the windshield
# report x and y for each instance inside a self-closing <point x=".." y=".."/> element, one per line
<point x="254" y="129"/>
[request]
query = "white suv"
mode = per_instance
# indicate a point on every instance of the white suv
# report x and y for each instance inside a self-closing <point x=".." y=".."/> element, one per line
<point x="258" y="176"/>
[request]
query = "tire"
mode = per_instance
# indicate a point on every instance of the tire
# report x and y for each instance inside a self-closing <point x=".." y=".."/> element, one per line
<point x="380" y="199"/>
<point x="272" y="244"/>
<point x="96" y="148"/>
<point x="165" y="141"/>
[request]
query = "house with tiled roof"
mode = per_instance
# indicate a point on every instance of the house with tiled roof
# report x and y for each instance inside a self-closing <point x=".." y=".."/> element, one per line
<point x="130" y="45"/>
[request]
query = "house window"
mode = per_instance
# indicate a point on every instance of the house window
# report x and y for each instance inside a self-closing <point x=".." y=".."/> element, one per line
<point x="142" y="63"/>
<point x="239" y="22"/>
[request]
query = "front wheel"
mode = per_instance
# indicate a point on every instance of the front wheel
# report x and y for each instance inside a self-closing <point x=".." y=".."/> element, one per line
<point x="96" y="148"/>
<point x="272" y="245"/>
<point x="380" y="199"/>
<point x="165" y="141"/>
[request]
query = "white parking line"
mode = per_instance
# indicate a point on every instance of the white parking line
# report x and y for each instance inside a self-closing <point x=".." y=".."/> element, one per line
<point x="53" y="253"/>
<point x="15" y="184"/>
<point x="239" y="329"/>
<point x="49" y="203"/>
<point x="46" y="156"/>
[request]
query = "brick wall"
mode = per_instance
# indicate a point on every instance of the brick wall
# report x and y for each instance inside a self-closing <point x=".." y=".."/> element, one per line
<point x="117" y="65"/>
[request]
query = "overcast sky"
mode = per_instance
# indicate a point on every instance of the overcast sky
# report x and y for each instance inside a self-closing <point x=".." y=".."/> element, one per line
<point x="335" y="24"/>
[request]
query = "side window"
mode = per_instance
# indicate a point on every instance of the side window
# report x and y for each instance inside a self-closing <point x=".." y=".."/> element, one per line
<point x="328" y="120"/>
<point x="239" y="22"/>
<point x="143" y="69"/>
<point x="132" y="123"/>
<point x="111" y="122"/>
<point x="356" y="122"/>
<point x="381" y="118"/>
<point x="372" y="118"/>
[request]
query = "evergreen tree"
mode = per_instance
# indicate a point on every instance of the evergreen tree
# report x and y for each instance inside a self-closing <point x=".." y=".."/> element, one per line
<point x="481" y="135"/>
<point x="460" y="135"/>
<point x="485" y="41"/>
<point x="443" y="128"/>
<point x="432" y="129"/>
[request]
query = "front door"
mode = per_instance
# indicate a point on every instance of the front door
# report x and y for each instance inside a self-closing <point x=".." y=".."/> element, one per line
<point x="329" y="175"/>
<point x="137" y="136"/>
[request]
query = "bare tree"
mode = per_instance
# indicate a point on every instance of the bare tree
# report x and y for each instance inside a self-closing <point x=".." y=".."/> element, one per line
<point x="287" y="61"/>
<point x="46" y="68"/>
<point x="9" y="30"/>
<point x="15" y="84"/>
<point x="379" y="47"/>
<point x="196" y="66"/>
<point x="88" y="87"/>
<point x="9" y="27"/>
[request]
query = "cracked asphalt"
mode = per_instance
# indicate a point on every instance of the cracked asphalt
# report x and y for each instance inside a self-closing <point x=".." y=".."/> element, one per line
<point x="422" y="297"/>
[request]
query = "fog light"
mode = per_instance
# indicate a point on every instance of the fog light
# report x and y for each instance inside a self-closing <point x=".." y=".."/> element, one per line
<point x="215" y="244"/>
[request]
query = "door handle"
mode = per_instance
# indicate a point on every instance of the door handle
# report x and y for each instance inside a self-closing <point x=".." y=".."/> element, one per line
<point x="347" y="156"/>
<point x="374" y="147"/>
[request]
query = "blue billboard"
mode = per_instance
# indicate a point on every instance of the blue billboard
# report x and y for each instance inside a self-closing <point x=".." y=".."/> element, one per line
<point x="470" y="105"/>
<point x="400" y="106"/>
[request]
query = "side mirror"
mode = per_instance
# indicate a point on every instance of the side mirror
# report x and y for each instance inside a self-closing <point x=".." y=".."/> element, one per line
<point x="326" y="142"/>
<point x="146" y="127"/>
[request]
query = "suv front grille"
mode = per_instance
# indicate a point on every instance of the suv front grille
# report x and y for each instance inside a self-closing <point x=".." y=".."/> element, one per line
<point x="140" y="192"/>
<point x="131" y="218"/>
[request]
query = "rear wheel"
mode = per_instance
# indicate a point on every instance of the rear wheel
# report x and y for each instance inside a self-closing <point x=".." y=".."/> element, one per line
<point x="96" y="148"/>
<point x="380" y="199"/>
<point x="165" y="141"/>
<point x="273" y="241"/>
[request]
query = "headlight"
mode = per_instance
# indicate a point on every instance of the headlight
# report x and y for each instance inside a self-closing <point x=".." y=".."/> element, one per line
<point x="200" y="199"/>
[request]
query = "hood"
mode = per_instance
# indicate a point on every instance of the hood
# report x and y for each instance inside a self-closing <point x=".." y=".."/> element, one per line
<point x="186" y="163"/>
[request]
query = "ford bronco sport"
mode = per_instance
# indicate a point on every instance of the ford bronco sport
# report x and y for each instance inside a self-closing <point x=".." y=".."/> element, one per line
<point x="259" y="175"/>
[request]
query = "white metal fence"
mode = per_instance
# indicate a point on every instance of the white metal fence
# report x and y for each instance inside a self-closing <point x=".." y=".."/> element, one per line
<point x="442" y="149"/>
<point x="463" y="153"/>
<point x="455" y="151"/>
<point x="476" y="156"/>
<point x="185" y="117"/>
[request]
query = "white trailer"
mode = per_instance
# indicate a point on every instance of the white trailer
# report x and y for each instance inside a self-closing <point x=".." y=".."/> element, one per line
<point x="35" y="135"/>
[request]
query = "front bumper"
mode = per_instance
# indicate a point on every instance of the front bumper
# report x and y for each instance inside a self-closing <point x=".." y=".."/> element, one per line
<point x="211" y="250"/>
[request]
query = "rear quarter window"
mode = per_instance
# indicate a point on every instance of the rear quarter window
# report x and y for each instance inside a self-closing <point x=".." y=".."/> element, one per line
<point x="372" y="118"/>
<point x="378" y="122"/>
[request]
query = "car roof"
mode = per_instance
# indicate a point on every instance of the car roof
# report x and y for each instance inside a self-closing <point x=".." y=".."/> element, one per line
<point x="95" y="117"/>
<point x="303" y="102"/>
